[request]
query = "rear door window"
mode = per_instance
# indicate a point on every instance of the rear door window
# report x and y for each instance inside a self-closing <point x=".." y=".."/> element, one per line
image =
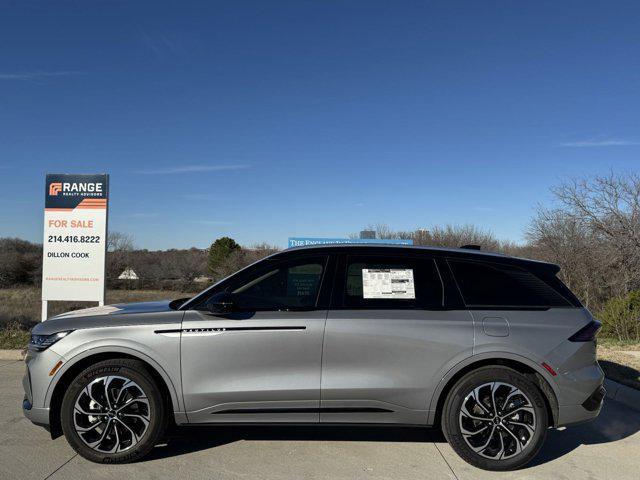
<point x="391" y="283"/>
<point x="493" y="285"/>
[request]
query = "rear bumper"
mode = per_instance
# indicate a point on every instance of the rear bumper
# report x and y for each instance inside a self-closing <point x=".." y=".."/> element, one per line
<point x="594" y="402"/>
<point x="585" y="412"/>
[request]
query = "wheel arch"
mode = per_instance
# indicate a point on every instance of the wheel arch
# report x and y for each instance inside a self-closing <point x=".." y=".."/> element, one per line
<point x="519" y="364"/>
<point x="81" y="362"/>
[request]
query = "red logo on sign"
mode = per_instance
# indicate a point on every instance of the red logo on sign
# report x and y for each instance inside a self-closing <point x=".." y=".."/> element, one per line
<point x="55" y="188"/>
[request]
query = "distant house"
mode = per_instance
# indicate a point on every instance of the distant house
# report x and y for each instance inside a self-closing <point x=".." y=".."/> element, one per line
<point x="128" y="274"/>
<point x="203" y="279"/>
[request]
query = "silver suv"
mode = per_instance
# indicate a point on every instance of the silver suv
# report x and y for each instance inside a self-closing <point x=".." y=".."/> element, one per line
<point x="493" y="349"/>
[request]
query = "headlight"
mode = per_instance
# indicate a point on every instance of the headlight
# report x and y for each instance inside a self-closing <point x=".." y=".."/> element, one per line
<point x="42" y="342"/>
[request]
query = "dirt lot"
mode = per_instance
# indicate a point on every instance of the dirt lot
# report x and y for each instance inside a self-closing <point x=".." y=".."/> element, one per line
<point x="620" y="361"/>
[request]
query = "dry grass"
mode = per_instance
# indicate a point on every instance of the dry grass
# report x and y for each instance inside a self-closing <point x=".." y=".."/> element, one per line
<point x="613" y="343"/>
<point x="13" y="337"/>
<point x="619" y="365"/>
<point x="22" y="305"/>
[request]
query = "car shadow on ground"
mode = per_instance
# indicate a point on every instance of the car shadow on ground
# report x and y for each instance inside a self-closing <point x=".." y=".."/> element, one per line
<point x="621" y="373"/>
<point x="184" y="440"/>
<point x="614" y="423"/>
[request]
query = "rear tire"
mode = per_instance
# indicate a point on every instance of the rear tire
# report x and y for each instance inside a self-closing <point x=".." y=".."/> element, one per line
<point x="113" y="412"/>
<point x="495" y="418"/>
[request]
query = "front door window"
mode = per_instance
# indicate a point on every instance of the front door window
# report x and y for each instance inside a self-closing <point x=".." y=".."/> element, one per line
<point x="288" y="286"/>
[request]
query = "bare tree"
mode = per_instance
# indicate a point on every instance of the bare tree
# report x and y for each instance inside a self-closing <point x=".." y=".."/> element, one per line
<point x="241" y="258"/>
<point x="189" y="264"/>
<point x="456" y="236"/>
<point x="558" y="237"/>
<point x="260" y="250"/>
<point x="119" y="242"/>
<point x="119" y="253"/>
<point x="447" y="236"/>
<point x="382" y="231"/>
<point x="610" y="207"/>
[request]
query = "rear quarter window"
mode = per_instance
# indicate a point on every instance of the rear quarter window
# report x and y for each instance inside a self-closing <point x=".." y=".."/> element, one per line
<point x="494" y="285"/>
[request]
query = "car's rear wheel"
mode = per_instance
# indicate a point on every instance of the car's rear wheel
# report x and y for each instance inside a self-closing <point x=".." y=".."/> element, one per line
<point x="113" y="412"/>
<point x="495" y="418"/>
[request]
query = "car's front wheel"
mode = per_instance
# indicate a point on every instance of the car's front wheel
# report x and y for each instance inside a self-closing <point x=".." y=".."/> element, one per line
<point x="113" y="412"/>
<point x="495" y="418"/>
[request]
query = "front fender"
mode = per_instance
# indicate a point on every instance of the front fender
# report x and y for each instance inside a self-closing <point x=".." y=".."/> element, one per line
<point x="162" y="354"/>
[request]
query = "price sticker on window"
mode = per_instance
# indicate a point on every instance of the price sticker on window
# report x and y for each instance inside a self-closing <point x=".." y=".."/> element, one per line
<point x="394" y="283"/>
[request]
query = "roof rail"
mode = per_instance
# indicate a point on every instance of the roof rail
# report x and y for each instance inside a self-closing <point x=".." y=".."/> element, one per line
<point x="471" y="247"/>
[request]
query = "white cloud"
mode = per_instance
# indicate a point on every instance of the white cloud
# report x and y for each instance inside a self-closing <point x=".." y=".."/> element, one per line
<point x="600" y="143"/>
<point x="38" y="75"/>
<point x="162" y="45"/>
<point x="192" y="169"/>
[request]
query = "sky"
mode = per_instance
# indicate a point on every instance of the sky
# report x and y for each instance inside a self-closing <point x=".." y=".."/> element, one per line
<point x="264" y="120"/>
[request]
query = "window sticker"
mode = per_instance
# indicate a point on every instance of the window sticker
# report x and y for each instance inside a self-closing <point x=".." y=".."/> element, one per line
<point x="388" y="283"/>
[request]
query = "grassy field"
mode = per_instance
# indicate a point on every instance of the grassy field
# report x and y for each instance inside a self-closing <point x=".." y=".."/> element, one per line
<point x="21" y="306"/>
<point x="20" y="309"/>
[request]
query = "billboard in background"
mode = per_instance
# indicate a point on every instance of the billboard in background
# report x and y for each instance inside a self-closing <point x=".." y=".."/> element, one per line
<point x="304" y="241"/>
<point x="75" y="237"/>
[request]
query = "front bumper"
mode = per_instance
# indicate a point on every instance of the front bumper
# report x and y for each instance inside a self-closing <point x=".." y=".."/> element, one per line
<point x="36" y="382"/>
<point x="38" y="416"/>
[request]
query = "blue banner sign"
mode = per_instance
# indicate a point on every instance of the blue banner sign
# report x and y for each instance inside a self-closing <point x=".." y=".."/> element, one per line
<point x="304" y="241"/>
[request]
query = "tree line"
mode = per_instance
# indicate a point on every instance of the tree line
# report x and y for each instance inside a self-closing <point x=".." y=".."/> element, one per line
<point x="175" y="269"/>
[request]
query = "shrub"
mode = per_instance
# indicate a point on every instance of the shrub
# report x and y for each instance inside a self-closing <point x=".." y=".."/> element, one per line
<point x="620" y="317"/>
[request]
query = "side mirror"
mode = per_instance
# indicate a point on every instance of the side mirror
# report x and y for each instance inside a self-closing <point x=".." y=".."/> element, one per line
<point x="221" y="303"/>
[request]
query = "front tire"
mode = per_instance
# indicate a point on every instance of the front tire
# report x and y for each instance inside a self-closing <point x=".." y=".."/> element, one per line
<point x="113" y="412"/>
<point x="495" y="418"/>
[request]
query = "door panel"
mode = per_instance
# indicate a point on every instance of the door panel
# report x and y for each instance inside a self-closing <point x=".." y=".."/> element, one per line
<point x="251" y="363"/>
<point x="389" y="360"/>
<point x="394" y="329"/>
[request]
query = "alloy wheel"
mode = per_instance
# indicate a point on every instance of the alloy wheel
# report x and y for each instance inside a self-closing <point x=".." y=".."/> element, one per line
<point x="111" y="414"/>
<point x="497" y="420"/>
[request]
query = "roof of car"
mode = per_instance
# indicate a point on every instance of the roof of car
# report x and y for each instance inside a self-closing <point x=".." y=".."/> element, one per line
<point x="469" y="253"/>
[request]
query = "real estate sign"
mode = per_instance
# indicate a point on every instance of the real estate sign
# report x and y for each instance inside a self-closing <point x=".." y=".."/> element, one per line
<point x="75" y="237"/>
<point x="306" y="241"/>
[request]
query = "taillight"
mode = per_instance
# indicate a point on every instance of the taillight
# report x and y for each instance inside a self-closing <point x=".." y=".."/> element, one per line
<point x="587" y="333"/>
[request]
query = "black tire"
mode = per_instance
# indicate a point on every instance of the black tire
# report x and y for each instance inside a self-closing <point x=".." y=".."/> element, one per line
<point x="134" y="371"/>
<point x="452" y="419"/>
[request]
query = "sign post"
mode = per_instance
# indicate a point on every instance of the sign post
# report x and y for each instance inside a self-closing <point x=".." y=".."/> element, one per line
<point x="75" y="238"/>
